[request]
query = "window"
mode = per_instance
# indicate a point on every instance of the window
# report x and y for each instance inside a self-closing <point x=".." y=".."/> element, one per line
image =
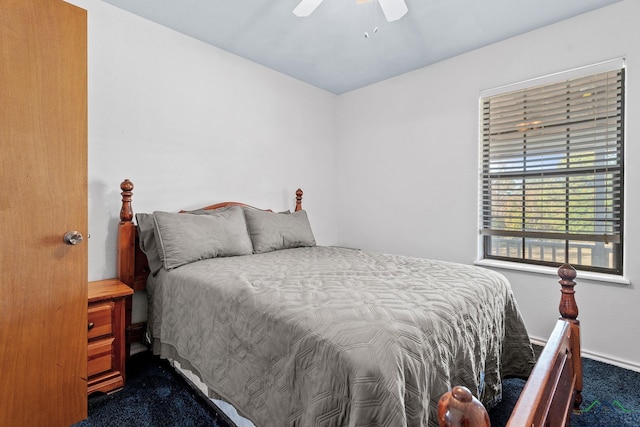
<point x="552" y="173"/>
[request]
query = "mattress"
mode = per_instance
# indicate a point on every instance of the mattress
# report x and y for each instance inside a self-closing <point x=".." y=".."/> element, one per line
<point x="338" y="337"/>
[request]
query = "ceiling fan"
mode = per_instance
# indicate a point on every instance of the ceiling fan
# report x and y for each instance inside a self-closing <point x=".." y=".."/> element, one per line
<point x="392" y="9"/>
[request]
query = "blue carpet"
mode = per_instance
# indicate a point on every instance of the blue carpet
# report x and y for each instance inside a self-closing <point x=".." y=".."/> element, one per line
<point x="610" y="398"/>
<point x="156" y="396"/>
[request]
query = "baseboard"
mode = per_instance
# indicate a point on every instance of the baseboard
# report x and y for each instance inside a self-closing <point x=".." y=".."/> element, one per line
<point x="611" y="361"/>
<point x="599" y="357"/>
<point x="136" y="348"/>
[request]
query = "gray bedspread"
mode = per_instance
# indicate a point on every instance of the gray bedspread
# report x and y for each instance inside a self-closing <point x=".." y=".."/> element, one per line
<point x="327" y="336"/>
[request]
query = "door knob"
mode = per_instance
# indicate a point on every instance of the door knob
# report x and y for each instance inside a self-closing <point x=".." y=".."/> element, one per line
<point x="72" y="237"/>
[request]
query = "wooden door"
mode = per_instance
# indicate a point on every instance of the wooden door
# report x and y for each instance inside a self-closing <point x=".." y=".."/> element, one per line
<point x="43" y="194"/>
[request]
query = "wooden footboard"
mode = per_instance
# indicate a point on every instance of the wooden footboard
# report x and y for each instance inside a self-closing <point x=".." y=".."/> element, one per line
<point x="554" y="387"/>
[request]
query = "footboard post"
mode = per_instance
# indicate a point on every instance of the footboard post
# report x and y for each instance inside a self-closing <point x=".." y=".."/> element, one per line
<point x="459" y="408"/>
<point x="569" y="312"/>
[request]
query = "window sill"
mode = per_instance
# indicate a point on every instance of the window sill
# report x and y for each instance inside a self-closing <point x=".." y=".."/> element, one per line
<point x="582" y="275"/>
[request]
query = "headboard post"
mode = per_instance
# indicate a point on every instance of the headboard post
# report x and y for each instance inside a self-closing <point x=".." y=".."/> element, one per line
<point x="126" y="236"/>
<point x="569" y="312"/>
<point x="126" y="213"/>
<point x="298" y="200"/>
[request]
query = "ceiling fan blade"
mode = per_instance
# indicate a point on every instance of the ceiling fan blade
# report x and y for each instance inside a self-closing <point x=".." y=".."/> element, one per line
<point x="306" y="7"/>
<point x="393" y="9"/>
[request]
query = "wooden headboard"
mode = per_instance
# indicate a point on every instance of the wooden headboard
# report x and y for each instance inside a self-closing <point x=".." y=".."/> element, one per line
<point x="133" y="267"/>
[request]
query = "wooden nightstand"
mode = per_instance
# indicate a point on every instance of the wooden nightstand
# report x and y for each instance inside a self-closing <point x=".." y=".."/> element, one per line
<point x="106" y="324"/>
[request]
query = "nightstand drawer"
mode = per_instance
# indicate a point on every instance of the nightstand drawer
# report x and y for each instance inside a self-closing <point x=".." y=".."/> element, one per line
<point x="100" y="357"/>
<point x="100" y="319"/>
<point x="106" y="320"/>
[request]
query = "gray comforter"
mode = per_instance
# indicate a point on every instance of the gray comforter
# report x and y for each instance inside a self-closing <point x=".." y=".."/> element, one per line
<point x="328" y="336"/>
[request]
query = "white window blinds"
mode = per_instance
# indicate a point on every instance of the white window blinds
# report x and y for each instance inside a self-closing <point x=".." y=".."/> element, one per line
<point x="552" y="173"/>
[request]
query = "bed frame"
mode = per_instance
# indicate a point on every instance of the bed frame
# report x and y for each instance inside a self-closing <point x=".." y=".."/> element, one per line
<point x="552" y="391"/>
<point x="554" y="388"/>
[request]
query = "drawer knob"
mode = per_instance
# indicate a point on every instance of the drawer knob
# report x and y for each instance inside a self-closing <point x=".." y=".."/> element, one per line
<point x="90" y="326"/>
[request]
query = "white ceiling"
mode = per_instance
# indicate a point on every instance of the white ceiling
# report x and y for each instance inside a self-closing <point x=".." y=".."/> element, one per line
<point x="329" y="49"/>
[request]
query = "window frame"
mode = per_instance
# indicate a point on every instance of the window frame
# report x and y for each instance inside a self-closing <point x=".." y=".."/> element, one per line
<point x="486" y="235"/>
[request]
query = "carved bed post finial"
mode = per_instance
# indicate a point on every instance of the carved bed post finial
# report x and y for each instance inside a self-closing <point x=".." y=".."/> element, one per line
<point x="126" y="213"/>
<point x="298" y="200"/>
<point x="569" y="312"/>
<point x="568" y="306"/>
<point x="126" y="237"/>
<point x="458" y="408"/>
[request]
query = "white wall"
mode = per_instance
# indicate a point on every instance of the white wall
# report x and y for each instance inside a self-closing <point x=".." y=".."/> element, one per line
<point x="192" y="125"/>
<point x="408" y="166"/>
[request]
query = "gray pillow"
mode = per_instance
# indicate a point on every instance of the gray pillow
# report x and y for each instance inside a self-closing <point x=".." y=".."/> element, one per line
<point x="147" y="238"/>
<point x="184" y="238"/>
<point x="271" y="231"/>
<point x="208" y="211"/>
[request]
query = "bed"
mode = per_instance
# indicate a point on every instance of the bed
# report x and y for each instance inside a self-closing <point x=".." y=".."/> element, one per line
<point x="552" y="392"/>
<point x="291" y="333"/>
